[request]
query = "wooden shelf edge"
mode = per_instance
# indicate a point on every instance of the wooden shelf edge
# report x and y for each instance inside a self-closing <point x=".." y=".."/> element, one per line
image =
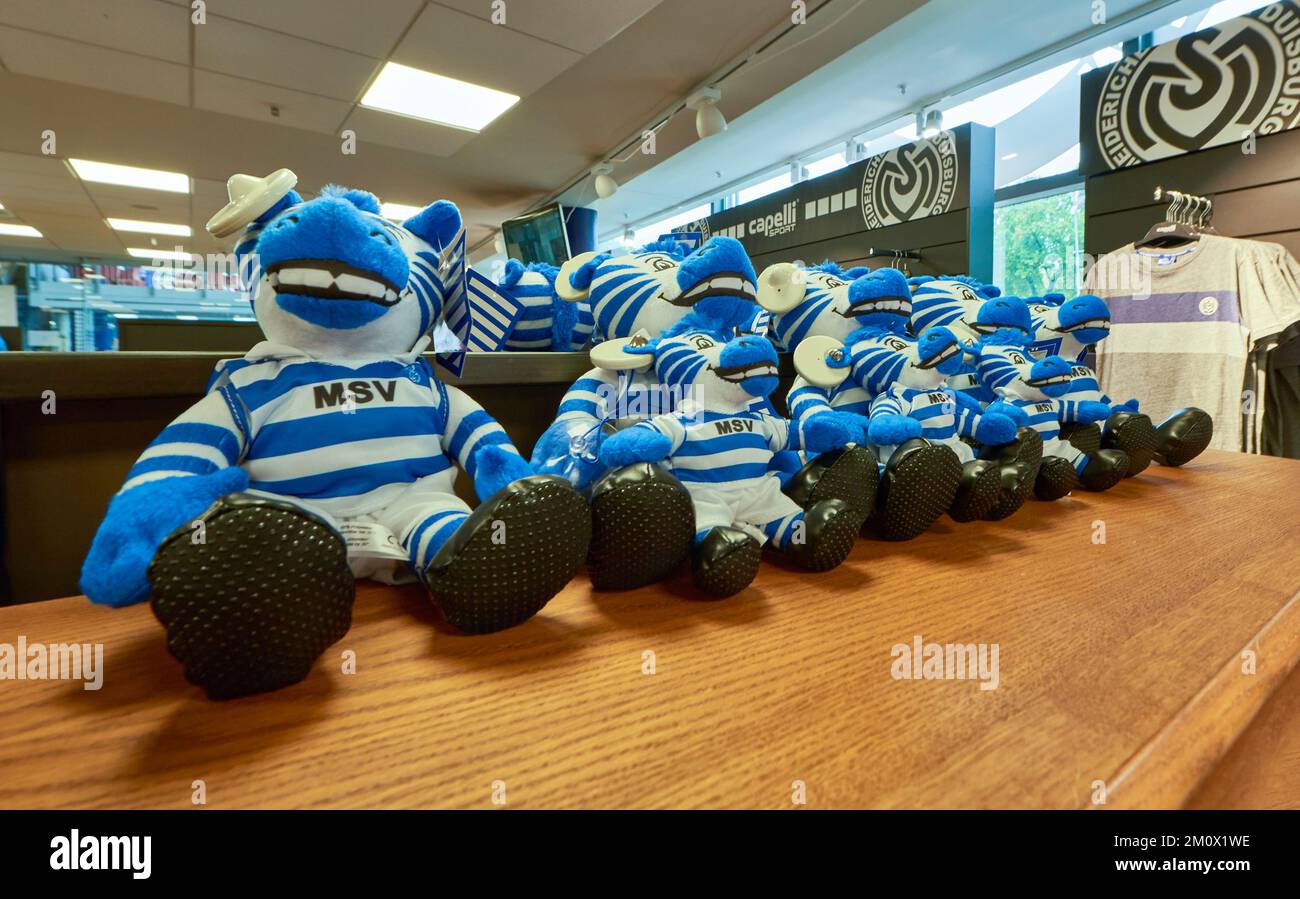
<point x="1167" y="770"/>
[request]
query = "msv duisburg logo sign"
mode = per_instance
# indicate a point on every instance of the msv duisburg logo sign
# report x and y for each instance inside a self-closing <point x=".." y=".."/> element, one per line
<point x="911" y="182"/>
<point x="1209" y="88"/>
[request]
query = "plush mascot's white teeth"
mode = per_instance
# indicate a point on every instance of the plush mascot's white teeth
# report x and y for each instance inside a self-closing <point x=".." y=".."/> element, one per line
<point x="611" y="355"/>
<point x="358" y="285"/>
<point x="781" y="287"/>
<point x="564" y="288"/>
<point x="810" y="361"/>
<point x="250" y="196"/>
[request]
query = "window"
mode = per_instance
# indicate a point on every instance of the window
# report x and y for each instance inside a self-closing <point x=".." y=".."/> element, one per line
<point x="825" y="163"/>
<point x="650" y="232"/>
<point x="763" y="188"/>
<point x="1038" y="244"/>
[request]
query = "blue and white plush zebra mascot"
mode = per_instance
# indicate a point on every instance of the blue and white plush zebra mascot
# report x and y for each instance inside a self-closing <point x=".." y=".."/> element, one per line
<point x="545" y="322"/>
<point x="719" y="442"/>
<point x="329" y="443"/>
<point x="1037" y="388"/>
<point x="821" y="317"/>
<point x="642" y="518"/>
<point x="1067" y="328"/>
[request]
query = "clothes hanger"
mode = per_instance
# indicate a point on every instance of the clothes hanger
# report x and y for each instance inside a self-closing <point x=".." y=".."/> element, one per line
<point x="1174" y="230"/>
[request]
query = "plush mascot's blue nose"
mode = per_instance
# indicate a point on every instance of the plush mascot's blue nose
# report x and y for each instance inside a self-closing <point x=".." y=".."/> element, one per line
<point x="939" y="348"/>
<point x="717" y="280"/>
<point x="1003" y="312"/>
<point x="331" y="264"/>
<point x="1086" y="317"/>
<point x="751" y="362"/>
<point x="1050" y="375"/>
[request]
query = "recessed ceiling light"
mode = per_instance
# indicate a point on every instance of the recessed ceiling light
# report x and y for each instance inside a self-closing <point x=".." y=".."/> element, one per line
<point x="19" y="230"/>
<point x="145" y="253"/>
<point x="148" y="227"/>
<point x="130" y="176"/>
<point x="436" y="98"/>
<point x="398" y="212"/>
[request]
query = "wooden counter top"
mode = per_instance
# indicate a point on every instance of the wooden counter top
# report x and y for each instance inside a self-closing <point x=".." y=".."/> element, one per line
<point x="1119" y="662"/>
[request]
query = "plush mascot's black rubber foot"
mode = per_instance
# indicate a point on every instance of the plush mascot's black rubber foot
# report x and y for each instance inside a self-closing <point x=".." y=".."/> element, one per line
<point x="978" y="492"/>
<point x="642" y="527"/>
<point x="849" y="474"/>
<point x="726" y="561"/>
<point x="919" y="484"/>
<point x="1183" y="436"/>
<point x="252" y="606"/>
<point x="1019" y="462"/>
<point x="516" y="551"/>
<point x="1086" y="438"/>
<point x="1106" y="468"/>
<point x="1134" y="435"/>
<point x="830" y="528"/>
<point x="1056" y="478"/>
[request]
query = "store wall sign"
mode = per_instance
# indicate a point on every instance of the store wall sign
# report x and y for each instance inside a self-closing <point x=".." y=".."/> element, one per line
<point x="911" y="182"/>
<point x="914" y="181"/>
<point x="1206" y="89"/>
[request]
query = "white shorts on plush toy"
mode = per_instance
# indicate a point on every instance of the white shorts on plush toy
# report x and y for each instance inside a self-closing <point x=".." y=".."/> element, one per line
<point x="748" y="508"/>
<point x="376" y="541"/>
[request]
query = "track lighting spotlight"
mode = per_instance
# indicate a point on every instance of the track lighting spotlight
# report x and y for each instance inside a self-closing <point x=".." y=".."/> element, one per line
<point x="709" y="120"/>
<point x="606" y="186"/>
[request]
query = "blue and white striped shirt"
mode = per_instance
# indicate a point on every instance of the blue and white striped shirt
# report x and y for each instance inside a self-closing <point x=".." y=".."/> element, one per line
<point x="724" y="449"/>
<point x="347" y="436"/>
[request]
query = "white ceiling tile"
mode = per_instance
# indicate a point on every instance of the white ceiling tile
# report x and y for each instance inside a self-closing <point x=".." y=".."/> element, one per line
<point x="580" y="25"/>
<point x="334" y="22"/>
<point x="57" y="59"/>
<point x="25" y="243"/>
<point x="129" y="202"/>
<point x="253" y="100"/>
<point x="247" y="51"/>
<point x="136" y="26"/>
<point x="33" y="164"/>
<point x="461" y="46"/>
<point x="377" y="127"/>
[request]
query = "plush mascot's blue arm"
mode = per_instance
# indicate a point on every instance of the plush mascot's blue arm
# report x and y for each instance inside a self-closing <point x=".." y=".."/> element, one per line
<point x="1008" y="410"/>
<point x="497" y="466"/>
<point x="115" y="572"/>
<point x="891" y="429"/>
<point x="635" y="444"/>
<point x="825" y="432"/>
<point x="994" y="429"/>
<point x="1089" y="411"/>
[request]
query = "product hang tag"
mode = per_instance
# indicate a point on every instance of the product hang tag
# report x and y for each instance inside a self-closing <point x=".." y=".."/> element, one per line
<point x="371" y="540"/>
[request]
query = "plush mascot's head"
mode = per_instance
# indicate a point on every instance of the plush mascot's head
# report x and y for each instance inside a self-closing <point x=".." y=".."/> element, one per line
<point x="952" y="302"/>
<point x="331" y="276"/>
<point x="709" y="355"/>
<point x="1069" y="327"/>
<point x="827" y="301"/>
<point x="652" y="289"/>
<point x="1006" y="367"/>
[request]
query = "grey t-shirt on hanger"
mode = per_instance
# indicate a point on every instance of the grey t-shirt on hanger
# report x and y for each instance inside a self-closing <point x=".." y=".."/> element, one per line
<point x="1189" y="326"/>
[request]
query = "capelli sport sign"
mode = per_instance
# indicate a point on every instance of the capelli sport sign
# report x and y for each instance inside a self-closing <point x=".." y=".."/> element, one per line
<point x="1205" y="89"/>
<point x="911" y="182"/>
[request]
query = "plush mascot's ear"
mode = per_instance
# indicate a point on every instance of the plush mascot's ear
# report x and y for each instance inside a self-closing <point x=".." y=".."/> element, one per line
<point x="514" y="271"/>
<point x="573" y="283"/>
<point x="635" y="353"/>
<point x="362" y="199"/>
<point x="781" y="287"/>
<point x="822" y="361"/>
<point x="437" y="224"/>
